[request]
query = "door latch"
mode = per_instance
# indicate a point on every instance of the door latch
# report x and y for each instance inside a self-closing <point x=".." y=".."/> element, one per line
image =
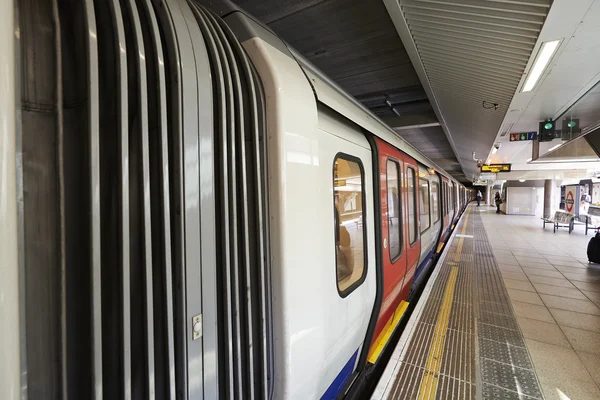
<point x="197" y="327"/>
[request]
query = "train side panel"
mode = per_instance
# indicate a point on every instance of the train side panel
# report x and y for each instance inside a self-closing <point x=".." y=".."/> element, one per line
<point x="316" y="331"/>
<point x="431" y="222"/>
<point x="394" y="254"/>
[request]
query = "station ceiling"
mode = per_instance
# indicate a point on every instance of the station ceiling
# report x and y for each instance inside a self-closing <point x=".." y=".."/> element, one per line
<point x="447" y="75"/>
<point x="356" y="43"/>
<point x="569" y="87"/>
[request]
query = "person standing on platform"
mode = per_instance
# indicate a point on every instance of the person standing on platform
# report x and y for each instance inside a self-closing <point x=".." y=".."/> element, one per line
<point x="479" y="196"/>
<point x="498" y="201"/>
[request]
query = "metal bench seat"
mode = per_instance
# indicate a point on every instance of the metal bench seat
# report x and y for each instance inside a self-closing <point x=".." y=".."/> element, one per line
<point x="561" y="219"/>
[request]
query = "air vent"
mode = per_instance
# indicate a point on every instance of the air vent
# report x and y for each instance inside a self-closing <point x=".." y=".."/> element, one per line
<point x="506" y="128"/>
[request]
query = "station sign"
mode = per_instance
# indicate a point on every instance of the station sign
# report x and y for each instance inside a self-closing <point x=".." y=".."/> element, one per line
<point x="495" y="168"/>
<point x="569" y="201"/>
<point x="517" y="137"/>
<point x="487" y="176"/>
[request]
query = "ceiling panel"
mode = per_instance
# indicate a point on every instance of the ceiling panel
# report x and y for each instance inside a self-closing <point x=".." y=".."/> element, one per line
<point x="470" y="52"/>
<point x="571" y="74"/>
<point x="356" y="44"/>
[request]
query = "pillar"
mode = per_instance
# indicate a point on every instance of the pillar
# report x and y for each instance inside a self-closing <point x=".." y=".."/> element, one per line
<point x="550" y="192"/>
<point x="10" y="368"/>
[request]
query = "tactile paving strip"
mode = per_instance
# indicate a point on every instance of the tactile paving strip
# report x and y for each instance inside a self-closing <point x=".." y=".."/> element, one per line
<point x="481" y="321"/>
<point x="506" y="368"/>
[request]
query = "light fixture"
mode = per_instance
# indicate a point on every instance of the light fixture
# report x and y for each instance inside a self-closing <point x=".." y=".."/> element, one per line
<point x="529" y="159"/>
<point x="521" y="180"/>
<point x="554" y="147"/>
<point x="541" y="62"/>
<point x="573" y="160"/>
<point x="489" y="161"/>
<point x="488" y="106"/>
<point x="495" y="149"/>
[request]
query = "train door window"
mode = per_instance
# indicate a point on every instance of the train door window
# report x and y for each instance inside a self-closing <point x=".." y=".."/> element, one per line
<point x="445" y="198"/>
<point x="348" y="185"/>
<point x="435" y="201"/>
<point x="424" y="199"/>
<point x="393" y="200"/>
<point x="412" y="206"/>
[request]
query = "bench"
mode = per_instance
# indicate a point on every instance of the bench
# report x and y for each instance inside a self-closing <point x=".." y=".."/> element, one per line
<point x="584" y="219"/>
<point x="561" y="220"/>
<point x="593" y="218"/>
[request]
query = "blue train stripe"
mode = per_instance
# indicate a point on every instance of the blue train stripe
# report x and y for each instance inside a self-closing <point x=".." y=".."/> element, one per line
<point x="421" y="266"/>
<point x="338" y="383"/>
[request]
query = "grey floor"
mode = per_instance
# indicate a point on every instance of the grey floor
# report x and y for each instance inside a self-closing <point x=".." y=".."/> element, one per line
<point x="556" y="297"/>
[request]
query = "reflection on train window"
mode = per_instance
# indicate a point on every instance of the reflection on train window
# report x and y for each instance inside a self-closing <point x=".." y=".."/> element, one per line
<point x="424" y="199"/>
<point x="445" y="197"/>
<point x="451" y="199"/>
<point x="412" y="204"/>
<point x="348" y="183"/>
<point x="393" y="203"/>
<point x="435" y="201"/>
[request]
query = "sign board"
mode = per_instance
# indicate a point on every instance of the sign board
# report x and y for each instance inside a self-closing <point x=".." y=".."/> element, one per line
<point x="487" y="176"/>
<point x="517" y="137"/>
<point x="495" y="168"/>
<point x="570" y="202"/>
<point x="572" y="194"/>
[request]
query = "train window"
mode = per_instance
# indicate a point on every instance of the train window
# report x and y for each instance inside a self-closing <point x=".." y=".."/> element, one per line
<point x="445" y="198"/>
<point x="350" y="252"/>
<point x="412" y="205"/>
<point x="424" y="199"/>
<point x="435" y="201"/>
<point x="393" y="200"/>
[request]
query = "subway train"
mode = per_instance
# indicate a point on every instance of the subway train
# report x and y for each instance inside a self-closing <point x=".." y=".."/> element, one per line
<point x="202" y="213"/>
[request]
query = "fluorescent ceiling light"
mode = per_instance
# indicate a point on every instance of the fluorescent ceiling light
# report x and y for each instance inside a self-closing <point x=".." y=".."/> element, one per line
<point x="543" y="59"/>
<point x="529" y="159"/>
<point x="521" y="180"/>
<point x="489" y="161"/>
<point x="572" y="160"/>
<point x="554" y="147"/>
<point x="494" y="150"/>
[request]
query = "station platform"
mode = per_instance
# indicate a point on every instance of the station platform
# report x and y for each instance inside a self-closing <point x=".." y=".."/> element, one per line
<point x="512" y="311"/>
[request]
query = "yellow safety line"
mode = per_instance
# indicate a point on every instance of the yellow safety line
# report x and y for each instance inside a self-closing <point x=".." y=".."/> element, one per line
<point x="429" y="383"/>
<point x="388" y="329"/>
<point x="439" y="248"/>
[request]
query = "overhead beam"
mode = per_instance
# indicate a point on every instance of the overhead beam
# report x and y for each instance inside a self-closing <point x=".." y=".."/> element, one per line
<point x="411" y="121"/>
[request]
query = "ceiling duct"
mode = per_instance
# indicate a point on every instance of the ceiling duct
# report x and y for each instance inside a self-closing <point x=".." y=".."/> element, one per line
<point x="506" y="128"/>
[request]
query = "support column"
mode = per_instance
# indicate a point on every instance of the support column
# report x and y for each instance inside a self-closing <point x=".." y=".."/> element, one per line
<point x="10" y="369"/>
<point x="549" y="198"/>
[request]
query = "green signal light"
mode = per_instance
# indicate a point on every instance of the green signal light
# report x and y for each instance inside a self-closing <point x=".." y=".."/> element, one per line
<point x="548" y="125"/>
<point x="572" y="124"/>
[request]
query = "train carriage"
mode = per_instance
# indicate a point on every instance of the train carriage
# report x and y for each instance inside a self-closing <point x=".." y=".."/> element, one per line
<point x="223" y="220"/>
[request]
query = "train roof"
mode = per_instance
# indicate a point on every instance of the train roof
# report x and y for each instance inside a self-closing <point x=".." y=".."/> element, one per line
<point x="326" y="90"/>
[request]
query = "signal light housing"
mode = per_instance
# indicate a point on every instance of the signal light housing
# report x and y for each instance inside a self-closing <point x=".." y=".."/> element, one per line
<point x="547" y="131"/>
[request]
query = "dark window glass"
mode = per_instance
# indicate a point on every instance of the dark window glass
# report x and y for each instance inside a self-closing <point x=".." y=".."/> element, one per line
<point x="412" y="205"/>
<point x="435" y="201"/>
<point x="424" y="203"/>
<point x="393" y="203"/>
